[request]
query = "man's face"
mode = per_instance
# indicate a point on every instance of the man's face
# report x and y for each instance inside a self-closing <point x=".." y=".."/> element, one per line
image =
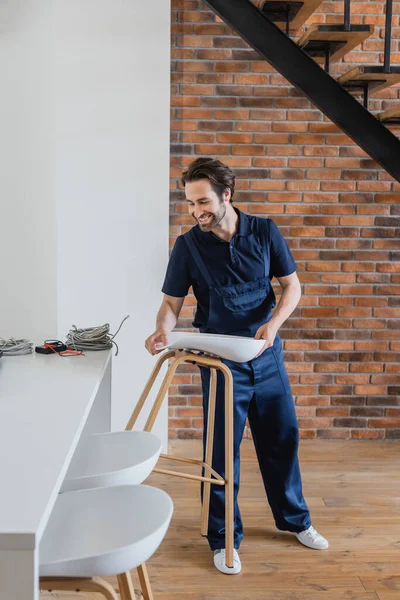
<point x="205" y="206"/>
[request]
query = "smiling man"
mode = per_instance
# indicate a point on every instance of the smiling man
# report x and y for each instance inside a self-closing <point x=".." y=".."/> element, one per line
<point x="229" y="258"/>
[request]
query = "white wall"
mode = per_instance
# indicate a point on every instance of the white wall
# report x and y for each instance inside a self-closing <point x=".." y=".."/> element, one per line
<point x="102" y="190"/>
<point x="27" y="204"/>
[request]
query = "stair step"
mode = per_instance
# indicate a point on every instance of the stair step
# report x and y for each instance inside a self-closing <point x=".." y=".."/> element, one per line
<point x="300" y="11"/>
<point x="392" y="115"/>
<point x="319" y="38"/>
<point x="375" y="76"/>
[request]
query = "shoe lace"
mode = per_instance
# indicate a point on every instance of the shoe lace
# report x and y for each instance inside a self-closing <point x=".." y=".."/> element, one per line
<point x="311" y="533"/>
<point x="223" y="552"/>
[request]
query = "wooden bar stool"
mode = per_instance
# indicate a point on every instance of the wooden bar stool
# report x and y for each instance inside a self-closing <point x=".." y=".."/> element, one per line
<point x="211" y="477"/>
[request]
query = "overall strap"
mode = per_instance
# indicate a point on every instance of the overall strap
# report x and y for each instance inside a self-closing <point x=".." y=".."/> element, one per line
<point x="265" y="235"/>
<point x="191" y="244"/>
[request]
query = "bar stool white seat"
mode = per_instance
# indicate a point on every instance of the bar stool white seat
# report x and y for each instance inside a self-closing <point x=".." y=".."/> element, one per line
<point x="100" y="532"/>
<point x="109" y="459"/>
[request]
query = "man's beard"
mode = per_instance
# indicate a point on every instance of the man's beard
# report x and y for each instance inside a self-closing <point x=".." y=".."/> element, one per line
<point x="214" y="220"/>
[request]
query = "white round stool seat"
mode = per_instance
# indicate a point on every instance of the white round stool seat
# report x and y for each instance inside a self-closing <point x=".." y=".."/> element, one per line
<point x="117" y="458"/>
<point x="230" y="347"/>
<point x="104" y="531"/>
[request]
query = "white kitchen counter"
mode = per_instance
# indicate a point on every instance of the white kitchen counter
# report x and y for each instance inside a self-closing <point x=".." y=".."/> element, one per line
<point x="46" y="403"/>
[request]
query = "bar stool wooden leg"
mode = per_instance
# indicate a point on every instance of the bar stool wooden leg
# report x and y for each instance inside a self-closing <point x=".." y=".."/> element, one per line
<point x="209" y="451"/>
<point x="145" y="582"/>
<point x="147" y="389"/>
<point x="95" y="584"/>
<point x="229" y="483"/>
<point x="160" y="396"/>
<point x="125" y="587"/>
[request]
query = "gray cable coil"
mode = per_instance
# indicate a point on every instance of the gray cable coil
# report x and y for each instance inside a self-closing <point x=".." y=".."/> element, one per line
<point x="92" y="338"/>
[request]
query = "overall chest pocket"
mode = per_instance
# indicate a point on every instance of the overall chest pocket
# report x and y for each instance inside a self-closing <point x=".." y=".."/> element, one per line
<point x="243" y="296"/>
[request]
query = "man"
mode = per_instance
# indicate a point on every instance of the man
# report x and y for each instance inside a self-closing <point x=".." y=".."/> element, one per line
<point x="229" y="258"/>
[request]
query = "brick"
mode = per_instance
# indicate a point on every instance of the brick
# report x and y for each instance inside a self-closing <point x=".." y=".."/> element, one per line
<point x="211" y="149"/>
<point x="267" y="185"/>
<point x="363" y="434"/>
<point x="330" y="367"/>
<point x="339" y="186"/>
<point x="330" y="434"/>
<point x="270" y="138"/>
<point x="350" y="422"/>
<point x="215" y="126"/>
<point x="190" y="434"/>
<point x="284" y="197"/>
<point x="335" y="389"/>
<point x="256" y="127"/>
<point x="314" y="423"/>
<point x="320" y="198"/>
<point x="320" y="151"/>
<point x="323" y="266"/>
<point x="354" y="312"/>
<point x="337" y="278"/>
<point x="323" y="174"/>
<point x="324" y="221"/>
<point x="358" y="290"/>
<point x="231" y="66"/>
<point x="211" y="78"/>
<point x="290" y="126"/>
<point x="234" y="138"/>
<point x="287" y="174"/>
<point x="251" y="79"/>
<point x="363" y="390"/>
<point x="387" y="198"/>
<point x="333" y="411"/>
<point x="347" y="401"/>
<point x="312" y="401"/>
<point x="195" y="41"/>
<point x="307" y="434"/>
<point x="388" y="423"/>
<point x="386" y="378"/>
<point x="355" y="221"/>
<point x="307" y="231"/>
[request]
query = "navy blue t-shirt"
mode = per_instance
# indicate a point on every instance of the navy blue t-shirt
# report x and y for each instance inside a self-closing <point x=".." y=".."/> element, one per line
<point x="238" y="261"/>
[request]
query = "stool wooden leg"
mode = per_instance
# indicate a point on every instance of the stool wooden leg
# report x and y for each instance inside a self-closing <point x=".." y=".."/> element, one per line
<point x="145" y="582"/>
<point x="147" y="388"/>
<point x="160" y="396"/>
<point x="209" y="451"/>
<point x="95" y="584"/>
<point x="125" y="587"/>
<point x="229" y="486"/>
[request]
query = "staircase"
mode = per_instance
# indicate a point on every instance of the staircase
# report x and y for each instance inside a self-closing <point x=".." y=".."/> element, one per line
<point x="267" y="28"/>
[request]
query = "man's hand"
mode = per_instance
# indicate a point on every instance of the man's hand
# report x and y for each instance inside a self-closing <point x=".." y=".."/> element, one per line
<point x="266" y="332"/>
<point x="157" y="341"/>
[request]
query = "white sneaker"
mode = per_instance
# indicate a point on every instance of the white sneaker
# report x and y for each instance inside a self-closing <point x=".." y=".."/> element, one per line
<point x="220" y="564"/>
<point x="311" y="538"/>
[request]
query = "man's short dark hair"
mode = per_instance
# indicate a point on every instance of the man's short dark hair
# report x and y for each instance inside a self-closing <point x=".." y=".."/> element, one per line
<point x="219" y="175"/>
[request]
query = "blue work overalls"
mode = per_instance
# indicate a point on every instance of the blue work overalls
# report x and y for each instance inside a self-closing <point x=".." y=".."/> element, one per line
<point x="262" y="394"/>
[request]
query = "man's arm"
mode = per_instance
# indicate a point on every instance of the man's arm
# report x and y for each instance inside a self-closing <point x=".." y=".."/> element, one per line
<point x="291" y="294"/>
<point x="167" y="317"/>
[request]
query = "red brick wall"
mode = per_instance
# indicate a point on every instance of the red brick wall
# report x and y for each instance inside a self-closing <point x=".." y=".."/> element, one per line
<point x="338" y="210"/>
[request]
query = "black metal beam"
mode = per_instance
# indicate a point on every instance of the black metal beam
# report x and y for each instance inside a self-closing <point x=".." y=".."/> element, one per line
<point x="388" y="35"/>
<point x="305" y="74"/>
<point x="347" y="15"/>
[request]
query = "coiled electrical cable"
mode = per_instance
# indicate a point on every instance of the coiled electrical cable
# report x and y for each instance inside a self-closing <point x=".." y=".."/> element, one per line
<point x="13" y="347"/>
<point x="92" y="338"/>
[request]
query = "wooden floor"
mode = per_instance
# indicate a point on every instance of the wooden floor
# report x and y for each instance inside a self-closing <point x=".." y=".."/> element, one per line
<point x="353" y="492"/>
